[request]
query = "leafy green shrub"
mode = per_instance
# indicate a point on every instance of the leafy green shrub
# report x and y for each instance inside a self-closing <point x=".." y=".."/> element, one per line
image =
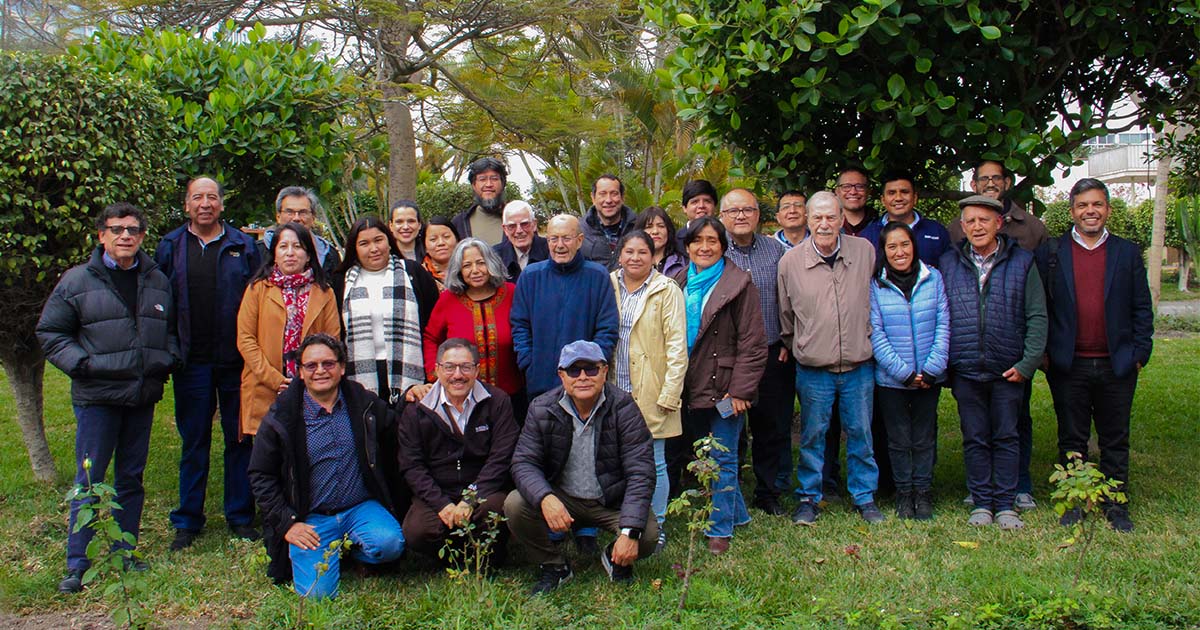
<point x="444" y="198"/>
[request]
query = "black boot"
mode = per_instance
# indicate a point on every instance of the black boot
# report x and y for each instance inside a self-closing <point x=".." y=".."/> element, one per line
<point x="923" y="505"/>
<point x="904" y="504"/>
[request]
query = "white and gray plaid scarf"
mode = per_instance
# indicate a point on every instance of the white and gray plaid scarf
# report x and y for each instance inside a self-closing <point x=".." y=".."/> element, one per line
<point x="401" y="331"/>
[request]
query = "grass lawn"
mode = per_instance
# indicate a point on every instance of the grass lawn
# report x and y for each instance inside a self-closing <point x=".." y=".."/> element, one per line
<point x="1170" y="287"/>
<point x="840" y="573"/>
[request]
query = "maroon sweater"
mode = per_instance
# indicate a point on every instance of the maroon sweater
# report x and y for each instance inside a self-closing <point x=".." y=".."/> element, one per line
<point x="1091" y="335"/>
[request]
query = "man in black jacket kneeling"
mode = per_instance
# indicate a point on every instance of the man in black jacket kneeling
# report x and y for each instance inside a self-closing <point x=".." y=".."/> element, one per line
<point x="318" y="473"/>
<point x="585" y="457"/>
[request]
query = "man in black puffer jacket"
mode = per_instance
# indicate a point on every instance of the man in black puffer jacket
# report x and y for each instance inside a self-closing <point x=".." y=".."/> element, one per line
<point x="585" y="457"/>
<point x="110" y="325"/>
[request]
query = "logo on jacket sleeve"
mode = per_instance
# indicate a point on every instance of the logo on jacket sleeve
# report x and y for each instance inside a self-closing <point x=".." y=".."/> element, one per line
<point x="160" y="308"/>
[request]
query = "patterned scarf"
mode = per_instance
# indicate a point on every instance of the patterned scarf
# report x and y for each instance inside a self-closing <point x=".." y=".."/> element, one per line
<point x="483" y="320"/>
<point x="699" y="284"/>
<point x="295" y="289"/>
<point x="439" y="276"/>
<point x="401" y="331"/>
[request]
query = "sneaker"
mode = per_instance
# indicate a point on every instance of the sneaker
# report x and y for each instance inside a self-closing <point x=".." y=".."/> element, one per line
<point x="1009" y="519"/>
<point x="553" y="576"/>
<point x="615" y="572"/>
<point x="1025" y="502"/>
<point x="830" y="493"/>
<point x="73" y="583"/>
<point x="770" y="505"/>
<point x="1118" y="518"/>
<point x="184" y="539"/>
<point x="245" y="532"/>
<point x="969" y="501"/>
<point x="923" y="505"/>
<point x="806" y="513"/>
<point x="586" y="545"/>
<point x="905" y="507"/>
<point x="1070" y="517"/>
<point x="980" y="517"/>
<point x="718" y="545"/>
<point x="870" y="513"/>
<point x="662" y="540"/>
<point x="136" y="564"/>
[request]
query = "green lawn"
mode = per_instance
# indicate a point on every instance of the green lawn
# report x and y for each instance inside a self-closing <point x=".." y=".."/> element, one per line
<point x="1170" y="288"/>
<point x="837" y="574"/>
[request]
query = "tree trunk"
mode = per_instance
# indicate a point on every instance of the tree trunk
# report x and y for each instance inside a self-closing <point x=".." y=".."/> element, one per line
<point x="1158" y="229"/>
<point x="25" y="374"/>
<point x="1184" y="261"/>
<point x="393" y="71"/>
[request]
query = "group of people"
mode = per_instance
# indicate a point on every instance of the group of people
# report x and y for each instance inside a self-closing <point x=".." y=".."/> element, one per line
<point x="434" y="373"/>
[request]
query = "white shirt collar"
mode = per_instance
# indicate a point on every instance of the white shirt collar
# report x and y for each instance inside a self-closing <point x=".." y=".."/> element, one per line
<point x="1079" y="239"/>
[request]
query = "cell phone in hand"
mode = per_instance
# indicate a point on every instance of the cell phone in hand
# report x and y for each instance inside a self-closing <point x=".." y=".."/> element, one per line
<point x="725" y="407"/>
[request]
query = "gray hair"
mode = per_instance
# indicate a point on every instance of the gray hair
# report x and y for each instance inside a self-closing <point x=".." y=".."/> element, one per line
<point x="297" y="191"/>
<point x="457" y="342"/>
<point x="454" y="281"/>
<point x="823" y="199"/>
<point x="518" y="205"/>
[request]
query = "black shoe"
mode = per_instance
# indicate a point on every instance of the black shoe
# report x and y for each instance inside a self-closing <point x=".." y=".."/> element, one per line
<point x="1118" y="517"/>
<point x="246" y="532"/>
<point x="905" y="508"/>
<point x="923" y="505"/>
<point x="184" y="539"/>
<point x="73" y="583"/>
<point x="1070" y="517"/>
<point x="586" y="545"/>
<point x="136" y="564"/>
<point x="870" y="513"/>
<point x="830" y="493"/>
<point x="553" y="576"/>
<point x="616" y="572"/>
<point x="806" y="513"/>
<point x="770" y="505"/>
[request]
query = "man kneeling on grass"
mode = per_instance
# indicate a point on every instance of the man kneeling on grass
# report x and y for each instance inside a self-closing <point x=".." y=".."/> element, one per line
<point x="585" y="457"/>
<point x="317" y="473"/>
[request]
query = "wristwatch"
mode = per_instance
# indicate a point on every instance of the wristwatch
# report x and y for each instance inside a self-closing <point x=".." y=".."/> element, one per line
<point x="632" y="533"/>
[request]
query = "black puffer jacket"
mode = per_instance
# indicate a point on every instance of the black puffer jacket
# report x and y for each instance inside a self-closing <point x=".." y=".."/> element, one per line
<point x="279" y="471"/>
<point x="624" y="454"/>
<point x="112" y="357"/>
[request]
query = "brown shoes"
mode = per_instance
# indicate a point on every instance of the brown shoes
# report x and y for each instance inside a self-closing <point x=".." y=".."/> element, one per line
<point x="717" y="545"/>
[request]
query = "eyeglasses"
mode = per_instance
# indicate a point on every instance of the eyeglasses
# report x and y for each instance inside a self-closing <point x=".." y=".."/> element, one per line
<point x="488" y="178"/>
<point x="117" y="230"/>
<point x="561" y="239"/>
<point x="303" y="212"/>
<point x="465" y="368"/>
<point x="797" y="205"/>
<point x="523" y="225"/>
<point x="574" y="370"/>
<point x="989" y="179"/>
<point x="736" y="212"/>
<point x="311" y="367"/>
<point x="850" y="187"/>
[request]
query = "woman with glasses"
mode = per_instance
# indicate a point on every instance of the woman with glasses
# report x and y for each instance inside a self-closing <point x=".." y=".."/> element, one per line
<point x="441" y="237"/>
<point x="651" y="355"/>
<point x="289" y="299"/>
<point x="727" y="352"/>
<point x="387" y="304"/>
<point x="476" y="306"/>
<point x="655" y="222"/>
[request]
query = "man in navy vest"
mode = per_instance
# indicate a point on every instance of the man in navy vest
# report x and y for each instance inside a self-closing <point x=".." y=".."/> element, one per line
<point x="997" y="337"/>
<point x="1101" y="328"/>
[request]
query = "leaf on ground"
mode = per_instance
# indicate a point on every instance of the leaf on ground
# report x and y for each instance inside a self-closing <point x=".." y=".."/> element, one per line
<point x="967" y="544"/>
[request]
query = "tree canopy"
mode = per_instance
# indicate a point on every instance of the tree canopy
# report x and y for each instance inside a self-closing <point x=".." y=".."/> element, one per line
<point x="801" y="87"/>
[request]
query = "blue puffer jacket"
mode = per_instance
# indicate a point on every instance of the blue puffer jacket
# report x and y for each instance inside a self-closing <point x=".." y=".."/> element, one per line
<point x="910" y="336"/>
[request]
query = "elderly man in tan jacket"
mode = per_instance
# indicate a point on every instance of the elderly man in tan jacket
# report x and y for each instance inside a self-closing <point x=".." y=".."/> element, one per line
<point x="824" y="316"/>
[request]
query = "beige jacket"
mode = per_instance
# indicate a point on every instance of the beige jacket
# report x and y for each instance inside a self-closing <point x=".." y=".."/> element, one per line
<point x="825" y="312"/>
<point x="658" y="355"/>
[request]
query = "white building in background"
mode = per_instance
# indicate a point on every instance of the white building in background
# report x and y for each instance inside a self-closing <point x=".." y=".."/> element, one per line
<point x="1123" y="158"/>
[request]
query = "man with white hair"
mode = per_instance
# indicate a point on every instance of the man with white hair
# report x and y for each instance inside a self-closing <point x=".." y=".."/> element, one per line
<point x="522" y="244"/>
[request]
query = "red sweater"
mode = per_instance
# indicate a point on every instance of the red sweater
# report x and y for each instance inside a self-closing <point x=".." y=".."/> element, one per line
<point x="486" y="325"/>
<point x="1091" y="334"/>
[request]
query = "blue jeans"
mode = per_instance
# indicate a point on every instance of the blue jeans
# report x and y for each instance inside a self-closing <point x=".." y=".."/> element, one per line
<point x="376" y="538"/>
<point x="198" y="389"/>
<point x="854" y="393"/>
<point x="987" y="412"/>
<point x="662" y="486"/>
<point x="121" y="435"/>
<point x="729" y="506"/>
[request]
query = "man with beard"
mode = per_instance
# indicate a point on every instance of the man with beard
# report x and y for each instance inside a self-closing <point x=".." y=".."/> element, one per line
<point x="606" y="221"/>
<point x="488" y="177"/>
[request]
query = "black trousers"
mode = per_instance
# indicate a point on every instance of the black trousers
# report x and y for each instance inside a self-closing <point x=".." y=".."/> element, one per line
<point x="1089" y="393"/>
<point x="770" y="422"/>
<point x="911" y="419"/>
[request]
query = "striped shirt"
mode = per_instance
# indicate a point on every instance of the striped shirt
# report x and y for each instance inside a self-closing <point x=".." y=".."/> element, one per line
<point x="631" y="304"/>
<point x="761" y="261"/>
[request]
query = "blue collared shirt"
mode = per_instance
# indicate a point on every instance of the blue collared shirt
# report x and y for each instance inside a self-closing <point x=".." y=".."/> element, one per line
<point x="336" y="477"/>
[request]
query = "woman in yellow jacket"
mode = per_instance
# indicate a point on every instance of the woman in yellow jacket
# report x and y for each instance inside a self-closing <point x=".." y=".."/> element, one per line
<point x="288" y="300"/>
<point x="650" y="360"/>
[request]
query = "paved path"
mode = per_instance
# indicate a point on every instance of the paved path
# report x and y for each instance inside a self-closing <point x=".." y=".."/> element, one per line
<point x="1185" y="307"/>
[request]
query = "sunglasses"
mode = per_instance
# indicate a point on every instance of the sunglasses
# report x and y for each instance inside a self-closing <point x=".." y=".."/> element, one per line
<point x="326" y="365"/>
<point x="574" y="370"/>
<point x="117" y="230"/>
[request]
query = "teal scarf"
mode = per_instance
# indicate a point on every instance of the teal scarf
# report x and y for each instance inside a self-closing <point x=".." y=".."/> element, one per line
<point x="699" y="284"/>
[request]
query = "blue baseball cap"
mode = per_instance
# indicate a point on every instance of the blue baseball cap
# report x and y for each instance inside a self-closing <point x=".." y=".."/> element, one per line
<point x="581" y="350"/>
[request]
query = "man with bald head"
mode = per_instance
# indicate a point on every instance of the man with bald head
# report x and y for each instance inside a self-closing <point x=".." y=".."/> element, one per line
<point x="209" y="263"/>
<point x="522" y="245"/>
<point x="771" y="414"/>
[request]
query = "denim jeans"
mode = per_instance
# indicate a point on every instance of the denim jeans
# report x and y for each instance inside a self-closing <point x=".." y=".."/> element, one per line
<point x="376" y="538"/>
<point x="987" y="412"/>
<point x="662" y="485"/>
<point x="198" y="390"/>
<point x="911" y="419"/>
<point x="121" y="435"/>
<point x="729" y="506"/>
<point x="853" y="391"/>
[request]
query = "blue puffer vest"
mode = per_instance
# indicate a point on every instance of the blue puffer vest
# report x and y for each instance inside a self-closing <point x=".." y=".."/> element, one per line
<point x="987" y="335"/>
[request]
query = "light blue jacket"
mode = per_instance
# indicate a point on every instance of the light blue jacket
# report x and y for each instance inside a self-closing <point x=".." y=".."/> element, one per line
<point x="910" y="336"/>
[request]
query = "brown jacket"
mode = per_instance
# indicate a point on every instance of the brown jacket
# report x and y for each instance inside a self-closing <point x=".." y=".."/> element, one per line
<point x="730" y="352"/>
<point x="1027" y="230"/>
<point x="261" y="320"/>
<point x="825" y="312"/>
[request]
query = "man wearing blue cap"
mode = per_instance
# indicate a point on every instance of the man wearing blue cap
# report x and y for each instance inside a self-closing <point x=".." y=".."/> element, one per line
<point x="585" y="457"/>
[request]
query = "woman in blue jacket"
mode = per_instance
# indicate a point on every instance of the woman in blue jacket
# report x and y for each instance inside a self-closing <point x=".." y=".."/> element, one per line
<point x="910" y="334"/>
